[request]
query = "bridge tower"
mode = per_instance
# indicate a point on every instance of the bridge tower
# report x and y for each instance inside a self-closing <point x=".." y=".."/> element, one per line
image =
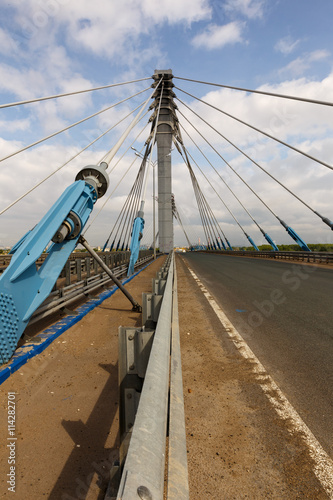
<point x="165" y="131"/>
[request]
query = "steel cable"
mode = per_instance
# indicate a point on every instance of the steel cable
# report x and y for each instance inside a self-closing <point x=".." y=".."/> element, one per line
<point x="257" y="130"/>
<point x="70" y="126"/>
<point x="39" y="99"/>
<point x="66" y="163"/>
<point x="263" y="92"/>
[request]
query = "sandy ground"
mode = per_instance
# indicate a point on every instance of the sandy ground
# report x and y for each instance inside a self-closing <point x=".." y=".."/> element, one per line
<point x="67" y="412"/>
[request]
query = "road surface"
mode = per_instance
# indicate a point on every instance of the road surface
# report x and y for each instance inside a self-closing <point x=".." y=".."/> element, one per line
<point x="284" y="312"/>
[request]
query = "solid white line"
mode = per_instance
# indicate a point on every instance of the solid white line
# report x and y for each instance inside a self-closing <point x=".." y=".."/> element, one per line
<point x="323" y="464"/>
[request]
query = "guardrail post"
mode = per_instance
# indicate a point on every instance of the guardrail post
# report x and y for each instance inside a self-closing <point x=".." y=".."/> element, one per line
<point x="78" y="264"/>
<point x="151" y="305"/>
<point x="68" y="272"/>
<point x="87" y="265"/>
<point x="95" y="266"/>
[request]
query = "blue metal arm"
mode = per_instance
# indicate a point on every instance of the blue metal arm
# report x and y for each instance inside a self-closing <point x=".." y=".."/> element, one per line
<point x="298" y="239"/>
<point x="252" y="242"/>
<point x="230" y="247"/>
<point x="138" y="226"/>
<point x="23" y="286"/>
<point x="19" y="243"/>
<point x="295" y="237"/>
<point x="271" y="242"/>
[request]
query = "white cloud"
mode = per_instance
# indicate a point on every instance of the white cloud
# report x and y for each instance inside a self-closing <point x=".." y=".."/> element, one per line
<point x="14" y="125"/>
<point x="174" y="11"/>
<point x="47" y="33"/>
<point x="214" y="36"/>
<point x="248" y="8"/>
<point x="7" y="44"/>
<point x="283" y="118"/>
<point x="108" y="29"/>
<point x="286" y="45"/>
<point x="298" y="66"/>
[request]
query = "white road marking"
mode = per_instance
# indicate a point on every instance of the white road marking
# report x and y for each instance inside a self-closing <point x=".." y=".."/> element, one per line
<point x="323" y="464"/>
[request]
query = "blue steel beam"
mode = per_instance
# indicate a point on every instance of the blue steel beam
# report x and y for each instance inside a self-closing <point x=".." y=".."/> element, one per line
<point x="23" y="286"/>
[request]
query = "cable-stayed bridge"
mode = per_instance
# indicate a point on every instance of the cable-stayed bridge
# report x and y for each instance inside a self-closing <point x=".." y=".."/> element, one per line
<point x="231" y="186"/>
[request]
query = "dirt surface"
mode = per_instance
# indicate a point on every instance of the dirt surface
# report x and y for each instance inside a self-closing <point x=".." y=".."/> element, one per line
<point x="67" y="411"/>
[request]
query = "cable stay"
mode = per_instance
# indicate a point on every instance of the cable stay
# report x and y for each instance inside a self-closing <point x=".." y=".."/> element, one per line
<point x="121" y="226"/>
<point x="70" y="126"/>
<point x="226" y="206"/>
<point x="210" y="225"/>
<point x="176" y="215"/>
<point x="121" y="179"/>
<point x="68" y="161"/>
<point x="154" y="241"/>
<point x="189" y="229"/>
<point x="126" y="214"/>
<point x="324" y="219"/>
<point x="108" y="158"/>
<point x="259" y="130"/>
<point x="205" y="212"/>
<point x="289" y="230"/>
<point x="139" y="221"/>
<point x="262" y="92"/>
<point x="266" y="236"/>
<point x="39" y="99"/>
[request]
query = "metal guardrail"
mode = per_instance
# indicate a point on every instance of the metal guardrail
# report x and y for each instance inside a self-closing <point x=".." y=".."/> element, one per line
<point x="143" y="468"/>
<point x="66" y="292"/>
<point x="319" y="257"/>
<point x="111" y="259"/>
<point x="177" y="485"/>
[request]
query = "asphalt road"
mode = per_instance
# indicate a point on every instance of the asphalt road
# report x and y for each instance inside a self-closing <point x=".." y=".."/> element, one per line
<point x="284" y="312"/>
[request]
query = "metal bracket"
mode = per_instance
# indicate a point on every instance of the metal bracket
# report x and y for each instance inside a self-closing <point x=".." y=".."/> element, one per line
<point x="158" y="285"/>
<point x="134" y="350"/>
<point x="151" y="305"/>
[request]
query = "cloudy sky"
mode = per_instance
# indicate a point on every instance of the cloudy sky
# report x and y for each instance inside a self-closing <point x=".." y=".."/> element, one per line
<point x="55" y="46"/>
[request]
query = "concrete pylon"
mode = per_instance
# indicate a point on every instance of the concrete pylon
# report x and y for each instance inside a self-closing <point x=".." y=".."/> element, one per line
<point x="165" y="131"/>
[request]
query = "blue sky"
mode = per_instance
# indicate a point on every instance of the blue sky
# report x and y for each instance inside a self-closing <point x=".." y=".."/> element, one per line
<point x="283" y="46"/>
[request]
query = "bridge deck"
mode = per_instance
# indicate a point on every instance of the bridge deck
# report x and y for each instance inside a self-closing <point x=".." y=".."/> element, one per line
<point x="67" y="408"/>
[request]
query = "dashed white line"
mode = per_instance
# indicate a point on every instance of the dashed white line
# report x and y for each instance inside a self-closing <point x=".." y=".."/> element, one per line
<point x="323" y="464"/>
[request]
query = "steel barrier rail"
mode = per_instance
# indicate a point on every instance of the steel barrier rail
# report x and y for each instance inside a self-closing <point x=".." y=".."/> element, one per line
<point x="143" y="474"/>
<point x="319" y="257"/>
<point x="177" y="484"/>
<point x="144" y="467"/>
<point x="66" y="295"/>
